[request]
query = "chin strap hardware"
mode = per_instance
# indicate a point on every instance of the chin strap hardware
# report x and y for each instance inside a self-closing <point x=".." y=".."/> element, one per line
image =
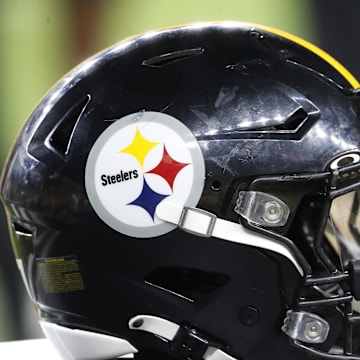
<point x="185" y="340"/>
<point x="190" y="343"/>
<point x="205" y="224"/>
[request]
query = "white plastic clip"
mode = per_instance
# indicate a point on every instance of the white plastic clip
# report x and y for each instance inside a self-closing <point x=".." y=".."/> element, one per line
<point x="197" y="221"/>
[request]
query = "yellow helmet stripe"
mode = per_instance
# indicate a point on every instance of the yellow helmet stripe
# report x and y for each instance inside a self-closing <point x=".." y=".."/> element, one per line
<point x="328" y="58"/>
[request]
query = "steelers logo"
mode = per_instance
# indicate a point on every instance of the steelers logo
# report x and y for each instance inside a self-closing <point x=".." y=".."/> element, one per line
<point x="137" y="162"/>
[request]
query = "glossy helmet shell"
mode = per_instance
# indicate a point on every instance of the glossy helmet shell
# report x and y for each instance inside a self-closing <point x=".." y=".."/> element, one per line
<point x="258" y="102"/>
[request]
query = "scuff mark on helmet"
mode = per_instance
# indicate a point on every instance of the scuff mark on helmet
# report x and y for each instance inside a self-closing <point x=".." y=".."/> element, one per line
<point x="241" y="154"/>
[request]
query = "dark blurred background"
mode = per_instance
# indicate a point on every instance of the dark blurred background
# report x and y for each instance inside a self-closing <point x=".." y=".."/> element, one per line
<point x="40" y="40"/>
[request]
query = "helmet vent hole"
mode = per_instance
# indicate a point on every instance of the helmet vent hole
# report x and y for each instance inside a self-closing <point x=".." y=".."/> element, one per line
<point x="295" y="120"/>
<point x="187" y="283"/>
<point x="60" y="138"/>
<point x="216" y="184"/>
<point x="168" y="58"/>
<point x="292" y="123"/>
<point x="21" y="230"/>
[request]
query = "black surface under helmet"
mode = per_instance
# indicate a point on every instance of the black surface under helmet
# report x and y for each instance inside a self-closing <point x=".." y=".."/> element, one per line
<point x="193" y="193"/>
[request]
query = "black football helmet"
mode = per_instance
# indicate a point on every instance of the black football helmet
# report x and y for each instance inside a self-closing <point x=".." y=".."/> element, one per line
<point x="193" y="193"/>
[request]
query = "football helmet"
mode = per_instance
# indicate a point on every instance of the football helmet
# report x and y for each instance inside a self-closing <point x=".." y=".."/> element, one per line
<point x="193" y="193"/>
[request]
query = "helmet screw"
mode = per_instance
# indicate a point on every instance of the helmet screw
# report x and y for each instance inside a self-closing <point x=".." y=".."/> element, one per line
<point x="249" y="315"/>
<point x="273" y="212"/>
<point x="313" y="330"/>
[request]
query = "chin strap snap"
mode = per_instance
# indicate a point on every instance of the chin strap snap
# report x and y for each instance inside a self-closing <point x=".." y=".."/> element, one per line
<point x="185" y="340"/>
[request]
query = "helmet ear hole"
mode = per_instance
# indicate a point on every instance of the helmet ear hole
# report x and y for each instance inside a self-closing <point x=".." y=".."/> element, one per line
<point x="188" y="283"/>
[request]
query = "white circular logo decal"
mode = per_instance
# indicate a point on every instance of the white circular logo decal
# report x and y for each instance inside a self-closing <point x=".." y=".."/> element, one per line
<point x="136" y="163"/>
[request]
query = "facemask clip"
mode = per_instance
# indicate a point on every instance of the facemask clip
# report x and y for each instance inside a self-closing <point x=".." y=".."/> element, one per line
<point x="262" y="209"/>
<point x="306" y="327"/>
